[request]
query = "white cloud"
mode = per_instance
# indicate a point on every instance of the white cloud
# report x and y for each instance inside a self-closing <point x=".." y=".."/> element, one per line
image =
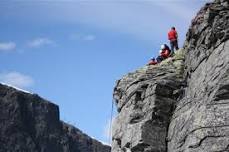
<point x="16" y="79"/>
<point x="39" y="42"/>
<point x="7" y="46"/>
<point x="144" y="20"/>
<point x="84" y="37"/>
<point x="89" y="37"/>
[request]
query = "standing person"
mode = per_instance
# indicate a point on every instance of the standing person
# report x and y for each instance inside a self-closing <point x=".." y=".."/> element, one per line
<point x="172" y="36"/>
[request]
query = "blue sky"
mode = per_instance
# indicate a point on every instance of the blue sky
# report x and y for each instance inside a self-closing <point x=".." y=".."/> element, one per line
<point x="71" y="52"/>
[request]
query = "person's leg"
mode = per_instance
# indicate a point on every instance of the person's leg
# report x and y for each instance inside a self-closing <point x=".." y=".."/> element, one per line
<point x="172" y="46"/>
<point x="158" y="59"/>
<point x="167" y="53"/>
<point x="176" y="45"/>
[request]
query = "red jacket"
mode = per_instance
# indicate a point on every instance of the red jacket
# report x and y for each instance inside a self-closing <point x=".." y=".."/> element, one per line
<point x="152" y="62"/>
<point x="165" y="54"/>
<point x="172" y="35"/>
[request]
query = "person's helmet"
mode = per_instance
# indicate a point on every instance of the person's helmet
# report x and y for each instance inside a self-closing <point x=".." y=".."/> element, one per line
<point x="153" y="59"/>
<point x="162" y="46"/>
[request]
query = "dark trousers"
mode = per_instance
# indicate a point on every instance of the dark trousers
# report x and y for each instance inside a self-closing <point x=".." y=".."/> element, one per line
<point x="159" y="59"/>
<point x="174" y="44"/>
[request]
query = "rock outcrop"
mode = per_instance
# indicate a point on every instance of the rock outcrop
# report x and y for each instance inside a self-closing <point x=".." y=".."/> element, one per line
<point x="182" y="104"/>
<point x="200" y="122"/>
<point x="29" y="123"/>
<point x="145" y="101"/>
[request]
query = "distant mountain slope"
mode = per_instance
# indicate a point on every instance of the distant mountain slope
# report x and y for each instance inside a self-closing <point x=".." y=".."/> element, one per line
<point x="29" y="123"/>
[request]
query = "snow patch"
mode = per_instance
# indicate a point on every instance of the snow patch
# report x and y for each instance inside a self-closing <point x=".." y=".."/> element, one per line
<point x="19" y="89"/>
<point x="104" y="143"/>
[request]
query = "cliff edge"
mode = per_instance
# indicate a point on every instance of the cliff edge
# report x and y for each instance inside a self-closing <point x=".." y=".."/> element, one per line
<point x="29" y="123"/>
<point x="181" y="104"/>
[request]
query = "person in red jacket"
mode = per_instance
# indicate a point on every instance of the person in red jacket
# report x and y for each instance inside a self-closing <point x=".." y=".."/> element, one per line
<point x="165" y="47"/>
<point x="165" y="53"/>
<point x="152" y="62"/>
<point x="172" y="36"/>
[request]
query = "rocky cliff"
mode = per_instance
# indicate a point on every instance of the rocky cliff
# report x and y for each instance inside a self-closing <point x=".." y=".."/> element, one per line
<point x="182" y="104"/>
<point x="29" y="123"/>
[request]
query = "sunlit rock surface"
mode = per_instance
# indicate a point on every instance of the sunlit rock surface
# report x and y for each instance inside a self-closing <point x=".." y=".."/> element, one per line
<point x="182" y="104"/>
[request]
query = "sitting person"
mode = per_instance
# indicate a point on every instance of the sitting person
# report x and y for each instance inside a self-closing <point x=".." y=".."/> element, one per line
<point x="152" y="62"/>
<point x="165" y="52"/>
<point x="159" y="59"/>
<point x="165" y="47"/>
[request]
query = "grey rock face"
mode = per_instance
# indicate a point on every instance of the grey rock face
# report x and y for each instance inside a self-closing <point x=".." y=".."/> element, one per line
<point x="80" y="142"/>
<point x="180" y="105"/>
<point x="145" y="101"/>
<point x="29" y="123"/>
<point x="200" y="122"/>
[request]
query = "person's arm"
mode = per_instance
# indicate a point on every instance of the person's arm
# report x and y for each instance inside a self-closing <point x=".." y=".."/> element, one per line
<point x="167" y="53"/>
<point x="163" y="54"/>
<point x="176" y="34"/>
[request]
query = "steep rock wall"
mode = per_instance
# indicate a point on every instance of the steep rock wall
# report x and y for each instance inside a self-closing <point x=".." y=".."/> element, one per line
<point x="145" y="101"/>
<point x="29" y="123"/>
<point x="180" y="105"/>
<point x="200" y="122"/>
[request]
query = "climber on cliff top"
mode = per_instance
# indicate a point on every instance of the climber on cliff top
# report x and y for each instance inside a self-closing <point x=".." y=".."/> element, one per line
<point x="164" y="53"/>
<point x="173" y="38"/>
<point x="165" y="48"/>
